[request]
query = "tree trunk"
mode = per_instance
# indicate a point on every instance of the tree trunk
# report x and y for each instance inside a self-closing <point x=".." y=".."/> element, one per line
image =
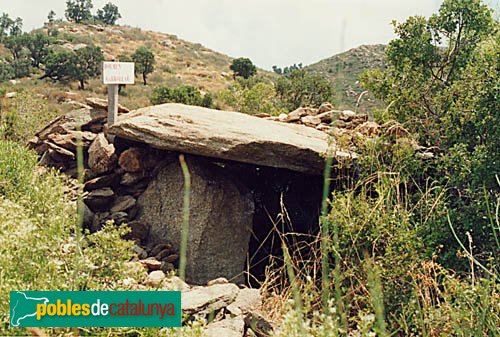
<point x="82" y="85"/>
<point x="144" y="78"/>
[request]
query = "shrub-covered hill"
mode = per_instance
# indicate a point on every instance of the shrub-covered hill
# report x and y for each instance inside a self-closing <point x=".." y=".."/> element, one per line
<point x="178" y="62"/>
<point x="344" y="69"/>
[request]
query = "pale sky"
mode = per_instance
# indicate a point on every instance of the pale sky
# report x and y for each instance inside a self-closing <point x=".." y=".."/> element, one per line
<point x="269" y="32"/>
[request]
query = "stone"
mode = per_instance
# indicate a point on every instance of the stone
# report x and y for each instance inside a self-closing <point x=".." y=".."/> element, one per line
<point x="109" y="180"/>
<point x="171" y="258"/>
<point x="155" y="278"/>
<point x="205" y="300"/>
<point x="368" y="128"/>
<point x="395" y="129"/>
<point x="99" y="200"/>
<point x="99" y="103"/>
<point x="220" y="222"/>
<point x="161" y="247"/>
<point x="10" y="94"/>
<point x="296" y="114"/>
<point x="69" y="141"/>
<point x="151" y="263"/>
<point x="129" y="179"/>
<point x="259" y="324"/>
<point x="283" y="117"/>
<point x="141" y="252"/>
<point x="139" y="231"/>
<point x="133" y="159"/>
<point x="311" y="121"/>
<point x="229" y="327"/>
<point x="325" y="107"/>
<point x="164" y="254"/>
<point x="323" y="127"/>
<point x="227" y="135"/>
<point x="118" y="218"/>
<point x="60" y="154"/>
<point x="167" y="267"/>
<point x="219" y="280"/>
<point x="175" y="283"/>
<point x="247" y="300"/>
<point x="102" y="157"/>
<point x="72" y="121"/>
<point x="88" y="216"/>
<point x="325" y="117"/>
<point x="347" y="115"/>
<point x="123" y="203"/>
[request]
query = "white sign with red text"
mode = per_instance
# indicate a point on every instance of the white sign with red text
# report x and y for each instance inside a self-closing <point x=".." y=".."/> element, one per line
<point x="118" y="72"/>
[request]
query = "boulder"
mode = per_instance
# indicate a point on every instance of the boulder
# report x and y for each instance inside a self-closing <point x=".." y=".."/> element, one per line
<point x="133" y="160"/>
<point x="205" y="300"/>
<point x="247" y="300"/>
<point x="311" y="121"/>
<point x="100" y="182"/>
<point x="227" y="135"/>
<point x="325" y="107"/>
<point x="221" y="216"/>
<point x="100" y="199"/>
<point x="102" y="157"/>
<point x="102" y="104"/>
<point x="69" y="141"/>
<point x="138" y="231"/>
<point x="229" y="327"/>
<point x="155" y="278"/>
<point x="123" y="203"/>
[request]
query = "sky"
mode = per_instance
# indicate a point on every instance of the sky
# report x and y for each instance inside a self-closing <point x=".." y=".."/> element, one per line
<point x="269" y="32"/>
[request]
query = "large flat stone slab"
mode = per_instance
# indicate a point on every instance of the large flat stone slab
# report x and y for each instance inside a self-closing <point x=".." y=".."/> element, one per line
<point x="226" y="135"/>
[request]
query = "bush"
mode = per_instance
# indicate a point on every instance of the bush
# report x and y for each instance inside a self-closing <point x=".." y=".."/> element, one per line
<point x="302" y="88"/>
<point x="183" y="94"/>
<point x="252" y="97"/>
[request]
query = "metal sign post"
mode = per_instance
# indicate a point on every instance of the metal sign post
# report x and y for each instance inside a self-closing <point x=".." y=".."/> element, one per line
<point x="114" y="74"/>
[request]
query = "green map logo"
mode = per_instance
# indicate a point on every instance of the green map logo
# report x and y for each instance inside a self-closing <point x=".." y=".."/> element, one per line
<point x="95" y="309"/>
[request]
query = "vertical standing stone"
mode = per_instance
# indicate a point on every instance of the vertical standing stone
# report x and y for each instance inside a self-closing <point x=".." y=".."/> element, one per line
<point x="221" y="217"/>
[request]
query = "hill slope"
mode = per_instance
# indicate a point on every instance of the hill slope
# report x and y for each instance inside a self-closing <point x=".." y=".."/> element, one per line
<point x="346" y="68"/>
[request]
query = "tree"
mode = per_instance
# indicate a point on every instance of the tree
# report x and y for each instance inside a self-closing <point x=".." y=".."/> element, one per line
<point x="109" y="14"/>
<point x="19" y="61"/>
<point x="10" y="27"/>
<point x="51" y="16"/>
<point x="58" y="65"/>
<point x="442" y="84"/>
<point x="303" y="88"/>
<point x="38" y="46"/>
<point x="144" y="62"/>
<point x="80" y="65"/>
<point x="78" y="10"/>
<point x="85" y="64"/>
<point x="243" y="67"/>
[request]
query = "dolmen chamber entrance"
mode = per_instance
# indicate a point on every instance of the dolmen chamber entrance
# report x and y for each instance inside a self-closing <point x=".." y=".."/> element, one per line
<point x="243" y="170"/>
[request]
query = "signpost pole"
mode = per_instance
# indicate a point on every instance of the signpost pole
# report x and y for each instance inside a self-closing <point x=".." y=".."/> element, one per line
<point x="112" y="106"/>
<point x="114" y="74"/>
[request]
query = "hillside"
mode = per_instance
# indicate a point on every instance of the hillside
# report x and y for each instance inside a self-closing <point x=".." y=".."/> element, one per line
<point x="178" y="62"/>
<point x="346" y="68"/>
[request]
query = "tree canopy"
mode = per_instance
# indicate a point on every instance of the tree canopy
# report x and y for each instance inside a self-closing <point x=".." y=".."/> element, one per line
<point x="109" y="14"/>
<point x="144" y="62"/>
<point x="78" y="10"/>
<point x="243" y="67"/>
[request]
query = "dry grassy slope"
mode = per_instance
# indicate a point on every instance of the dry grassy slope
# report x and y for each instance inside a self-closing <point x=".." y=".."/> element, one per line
<point x="345" y="68"/>
<point x="178" y="62"/>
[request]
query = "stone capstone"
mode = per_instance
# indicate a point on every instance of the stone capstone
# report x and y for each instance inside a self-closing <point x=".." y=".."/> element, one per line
<point x="228" y="135"/>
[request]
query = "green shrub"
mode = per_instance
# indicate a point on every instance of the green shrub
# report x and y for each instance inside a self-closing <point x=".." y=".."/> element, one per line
<point x="184" y="94"/>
